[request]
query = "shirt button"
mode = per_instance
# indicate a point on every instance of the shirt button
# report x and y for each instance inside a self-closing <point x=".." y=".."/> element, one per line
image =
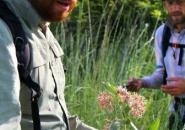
<point x="53" y="97"/>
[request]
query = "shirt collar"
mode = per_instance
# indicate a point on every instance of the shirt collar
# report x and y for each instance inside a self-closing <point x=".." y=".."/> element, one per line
<point x="26" y="12"/>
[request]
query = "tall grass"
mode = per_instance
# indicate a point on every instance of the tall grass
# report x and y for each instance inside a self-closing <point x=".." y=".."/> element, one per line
<point x="107" y="52"/>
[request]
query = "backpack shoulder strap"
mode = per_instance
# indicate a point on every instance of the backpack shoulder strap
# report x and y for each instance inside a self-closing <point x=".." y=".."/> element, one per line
<point x="23" y="56"/>
<point x="165" y="39"/>
<point x="12" y="21"/>
<point x="20" y="40"/>
<point x="165" y="42"/>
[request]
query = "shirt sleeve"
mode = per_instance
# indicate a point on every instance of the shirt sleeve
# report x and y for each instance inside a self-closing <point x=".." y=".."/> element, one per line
<point x="9" y="82"/>
<point x="155" y="80"/>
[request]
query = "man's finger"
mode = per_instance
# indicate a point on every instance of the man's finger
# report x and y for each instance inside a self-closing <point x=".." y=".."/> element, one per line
<point x="169" y="89"/>
<point x="173" y="79"/>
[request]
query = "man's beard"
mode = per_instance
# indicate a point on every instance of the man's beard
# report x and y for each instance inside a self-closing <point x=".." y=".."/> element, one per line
<point x="47" y="15"/>
<point x="177" y="20"/>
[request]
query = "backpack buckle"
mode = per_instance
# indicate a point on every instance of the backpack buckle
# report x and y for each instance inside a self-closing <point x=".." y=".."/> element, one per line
<point x="175" y="45"/>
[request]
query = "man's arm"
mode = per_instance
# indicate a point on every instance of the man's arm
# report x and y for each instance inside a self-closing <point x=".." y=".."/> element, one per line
<point x="156" y="78"/>
<point x="10" y="113"/>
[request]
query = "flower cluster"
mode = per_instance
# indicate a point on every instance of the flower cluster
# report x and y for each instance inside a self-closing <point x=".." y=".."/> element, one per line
<point x="105" y="101"/>
<point x="123" y="94"/>
<point x="134" y="101"/>
<point x="137" y="105"/>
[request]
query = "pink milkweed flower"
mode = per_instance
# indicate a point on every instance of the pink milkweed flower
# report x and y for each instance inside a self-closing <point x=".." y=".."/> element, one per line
<point x="123" y="94"/>
<point x="105" y="101"/>
<point x="137" y="105"/>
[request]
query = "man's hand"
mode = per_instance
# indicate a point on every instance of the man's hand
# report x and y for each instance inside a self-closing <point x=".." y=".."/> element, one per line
<point x="175" y="87"/>
<point x="134" y="84"/>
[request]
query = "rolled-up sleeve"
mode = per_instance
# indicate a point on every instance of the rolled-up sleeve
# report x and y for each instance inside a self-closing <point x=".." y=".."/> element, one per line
<point x="10" y="113"/>
<point x="156" y="79"/>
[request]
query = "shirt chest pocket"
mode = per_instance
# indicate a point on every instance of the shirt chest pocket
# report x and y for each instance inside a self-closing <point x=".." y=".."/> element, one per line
<point x="57" y="66"/>
<point x="47" y="69"/>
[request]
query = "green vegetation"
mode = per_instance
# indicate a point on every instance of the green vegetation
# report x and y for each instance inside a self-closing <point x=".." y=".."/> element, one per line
<point x="109" y="41"/>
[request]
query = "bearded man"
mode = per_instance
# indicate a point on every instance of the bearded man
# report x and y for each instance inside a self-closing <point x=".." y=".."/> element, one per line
<point x="31" y="73"/>
<point x="170" y="63"/>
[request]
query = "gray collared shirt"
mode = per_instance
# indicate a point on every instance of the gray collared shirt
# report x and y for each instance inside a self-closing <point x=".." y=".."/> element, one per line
<point x="46" y="70"/>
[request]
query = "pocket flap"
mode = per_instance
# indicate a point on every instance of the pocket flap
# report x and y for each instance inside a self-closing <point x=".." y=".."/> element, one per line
<point x="57" y="50"/>
<point x="41" y="52"/>
<point x="40" y="55"/>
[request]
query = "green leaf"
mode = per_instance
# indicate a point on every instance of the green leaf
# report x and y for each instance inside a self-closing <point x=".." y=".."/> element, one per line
<point x="144" y="4"/>
<point x="155" y="125"/>
<point x="111" y="88"/>
<point x="156" y="13"/>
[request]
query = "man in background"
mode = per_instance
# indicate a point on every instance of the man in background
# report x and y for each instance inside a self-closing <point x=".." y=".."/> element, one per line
<point x="170" y="63"/>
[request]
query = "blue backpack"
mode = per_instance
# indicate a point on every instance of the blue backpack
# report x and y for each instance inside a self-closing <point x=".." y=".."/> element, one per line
<point x="23" y="57"/>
